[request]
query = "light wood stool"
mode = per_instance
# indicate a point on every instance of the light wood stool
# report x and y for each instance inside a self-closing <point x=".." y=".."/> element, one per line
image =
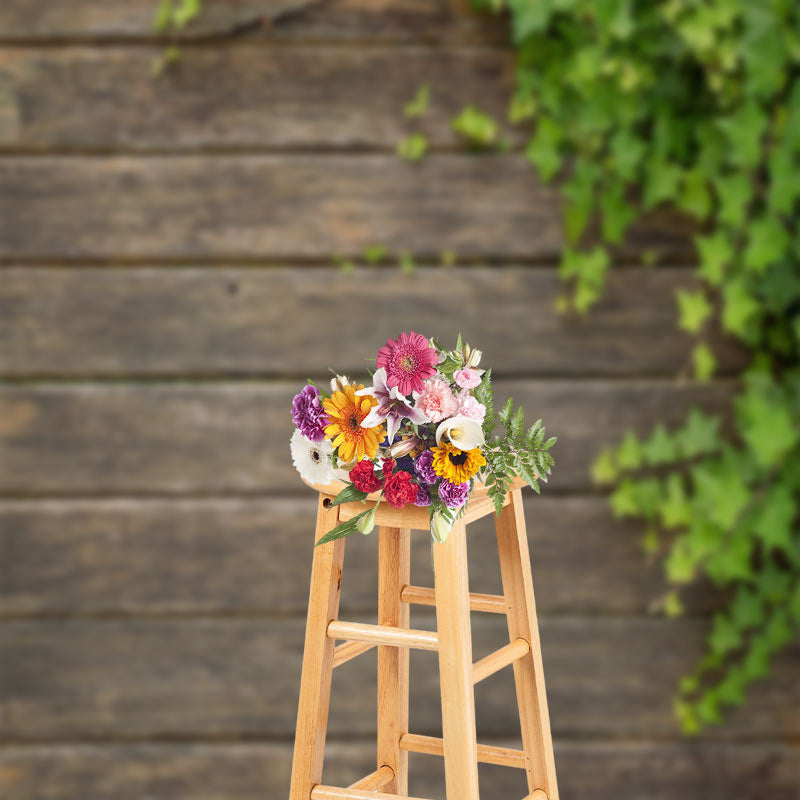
<point x="452" y="640"/>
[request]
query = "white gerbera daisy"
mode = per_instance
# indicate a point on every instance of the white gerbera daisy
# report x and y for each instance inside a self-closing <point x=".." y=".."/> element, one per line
<point x="312" y="459"/>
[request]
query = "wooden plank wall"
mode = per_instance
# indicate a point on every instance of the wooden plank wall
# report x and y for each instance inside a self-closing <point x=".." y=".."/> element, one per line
<point x="165" y="248"/>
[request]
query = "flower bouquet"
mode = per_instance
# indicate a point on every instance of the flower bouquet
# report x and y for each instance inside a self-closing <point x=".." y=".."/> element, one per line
<point x="421" y="434"/>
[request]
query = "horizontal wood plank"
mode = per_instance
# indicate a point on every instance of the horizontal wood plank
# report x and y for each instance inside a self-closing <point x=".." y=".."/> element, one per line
<point x="197" y="438"/>
<point x="405" y="21"/>
<point x="252" y="97"/>
<point x="283" y="206"/>
<point x="102" y="679"/>
<point x="253" y="771"/>
<point x="161" y="321"/>
<point x="248" y="556"/>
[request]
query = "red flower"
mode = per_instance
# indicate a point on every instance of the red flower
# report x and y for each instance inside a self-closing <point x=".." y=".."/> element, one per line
<point x="400" y="490"/>
<point x="388" y="467"/>
<point x="364" y="478"/>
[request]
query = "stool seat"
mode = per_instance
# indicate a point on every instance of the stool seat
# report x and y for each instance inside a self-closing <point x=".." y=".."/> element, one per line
<point x="412" y="517"/>
<point x="393" y="637"/>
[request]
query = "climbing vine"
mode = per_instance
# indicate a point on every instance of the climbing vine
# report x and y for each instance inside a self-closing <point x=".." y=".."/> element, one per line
<point x="693" y="105"/>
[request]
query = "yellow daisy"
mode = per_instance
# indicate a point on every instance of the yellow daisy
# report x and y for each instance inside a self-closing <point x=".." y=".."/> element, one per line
<point x="346" y="412"/>
<point x="457" y="466"/>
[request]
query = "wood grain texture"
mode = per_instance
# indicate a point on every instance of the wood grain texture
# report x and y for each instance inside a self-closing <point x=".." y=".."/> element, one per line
<point x="223" y="322"/>
<point x="213" y="678"/>
<point x="232" y="437"/>
<point x="253" y="771"/>
<point x="195" y="557"/>
<point x="401" y="21"/>
<point x="273" y="206"/>
<point x="250" y="97"/>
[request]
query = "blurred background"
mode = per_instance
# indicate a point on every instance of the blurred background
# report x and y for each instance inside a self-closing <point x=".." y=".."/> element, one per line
<point x="168" y="283"/>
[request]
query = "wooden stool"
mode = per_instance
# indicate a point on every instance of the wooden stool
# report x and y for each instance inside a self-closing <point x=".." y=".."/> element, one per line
<point x="452" y="640"/>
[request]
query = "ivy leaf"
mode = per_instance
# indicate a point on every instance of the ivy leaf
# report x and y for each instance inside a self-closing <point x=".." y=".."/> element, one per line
<point x="627" y="151"/>
<point x="774" y="524"/>
<point x="767" y="242"/>
<point x="716" y="253"/>
<point x="693" y="309"/>
<point x="413" y="147"/>
<point x="724" y="636"/>
<point x="163" y="18"/>
<point x="734" y="193"/>
<point x="579" y="196"/>
<point x="739" y="309"/>
<point x="695" y="197"/>
<point x="703" y="362"/>
<point x="617" y="213"/>
<point x="720" y="493"/>
<point x="418" y="105"/>
<point x="700" y="435"/>
<point x="543" y="148"/>
<point x="766" y="424"/>
<point x="732" y="562"/>
<point x="528" y="18"/>
<point x="624" y="502"/>
<point x="679" y="565"/>
<point x="744" y="130"/>
<point x="783" y="187"/>
<point x="661" y="183"/>
<point x="186" y="12"/>
<point x="675" y="509"/>
<point x="604" y="470"/>
<point x="747" y="609"/>
<point x="476" y="126"/>
<point x="660" y="447"/>
<point x="630" y="454"/>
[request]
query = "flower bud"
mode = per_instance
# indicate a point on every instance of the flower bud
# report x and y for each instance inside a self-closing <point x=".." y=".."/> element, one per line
<point x="440" y="528"/>
<point x="338" y="383"/>
<point x="474" y="358"/>
<point x="366" y="522"/>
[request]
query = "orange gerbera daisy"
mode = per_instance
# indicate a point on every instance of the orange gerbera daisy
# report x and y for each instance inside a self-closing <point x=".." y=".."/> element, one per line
<point x="346" y="412"/>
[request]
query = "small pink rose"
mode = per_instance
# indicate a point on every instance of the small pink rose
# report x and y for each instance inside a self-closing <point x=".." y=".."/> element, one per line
<point x="468" y="377"/>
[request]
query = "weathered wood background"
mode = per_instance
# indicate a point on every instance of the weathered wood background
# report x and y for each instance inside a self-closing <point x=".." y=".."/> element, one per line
<point x="165" y="287"/>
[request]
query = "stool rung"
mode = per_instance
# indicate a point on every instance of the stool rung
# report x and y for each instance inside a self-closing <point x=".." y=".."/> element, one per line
<point x="422" y="596"/>
<point x="320" y="792"/>
<point x="383" y="634"/>
<point x="494" y="662"/>
<point x="375" y="780"/>
<point x="487" y="754"/>
<point x="349" y="650"/>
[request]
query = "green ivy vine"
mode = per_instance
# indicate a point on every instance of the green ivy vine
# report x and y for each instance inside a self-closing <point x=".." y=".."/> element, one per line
<point x="695" y="105"/>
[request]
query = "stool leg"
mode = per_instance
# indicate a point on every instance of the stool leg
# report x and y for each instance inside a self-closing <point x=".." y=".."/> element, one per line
<point x="515" y="567"/>
<point x="455" y="665"/>
<point x="315" y="679"/>
<point x="394" y="572"/>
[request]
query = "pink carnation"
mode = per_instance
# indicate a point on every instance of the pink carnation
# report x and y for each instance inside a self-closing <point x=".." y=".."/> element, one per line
<point x="408" y="360"/>
<point x="468" y="377"/>
<point x="437" y="401"/>
<point x="469" y="407"/>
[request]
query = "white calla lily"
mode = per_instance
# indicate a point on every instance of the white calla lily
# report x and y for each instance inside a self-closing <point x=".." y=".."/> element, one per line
<point x="462" y="432"/>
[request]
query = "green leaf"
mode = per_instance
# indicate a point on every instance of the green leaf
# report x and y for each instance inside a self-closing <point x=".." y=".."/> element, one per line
<point x="630" y="454"/>
<point x="543" y="149"/>
<point x="767" y="242"/>
<point x="349" y="494"/>
<point x="766" y="424"/>
<point x="163" y="18"/>
<point x="700" y="435"/>
<point x="720" y="491"/>
<point x="528" y="18"/>
<point x="579" y="197"/>
<point x="695" y="196"/>
<point x="724" y="636"/>
<point x="739" y="309"/>
<point x="784" y="187"/>
<point x="693" y="309"/>
<point x="418" y="105"/>
<point x="747" y="609"/>
<point x="343" y="529"/>
<point x="703" y="362"/>
<point x="624" y="501"/>
<point x="413" y="147"/>
<point x="675" y="510"/>
<point x="744" y="130"/>
<point x="604" y="469"/>
<point x="374" y="253"/>
<point x="679" y="565"/>
<point x="476" y="126"/>
<point x="661" y="182"/>
<point x="716" y="253"/>
<point x="186" y="12"/>
<point x="734" y="193"/>
<point x="660" y="448"/>
<point x="617" y="213"/>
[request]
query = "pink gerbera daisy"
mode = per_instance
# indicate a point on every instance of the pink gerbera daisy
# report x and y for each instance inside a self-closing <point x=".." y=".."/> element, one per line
<point x="408" y="360"/>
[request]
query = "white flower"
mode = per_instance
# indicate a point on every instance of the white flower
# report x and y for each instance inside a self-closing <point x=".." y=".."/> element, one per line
<point x="464" y="433"/>
<point x="312" y="459"/>
<point x="440" y="528"/>
<point x="339" y="382"/>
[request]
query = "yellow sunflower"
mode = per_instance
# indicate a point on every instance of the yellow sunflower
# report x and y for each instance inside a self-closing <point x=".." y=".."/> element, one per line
<point x="346" y="412"/>
<point x="457" y="466"/>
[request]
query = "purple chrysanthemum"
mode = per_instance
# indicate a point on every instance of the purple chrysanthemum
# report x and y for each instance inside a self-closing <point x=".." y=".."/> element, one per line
<point x="453" y="495"/>
<point x="308" y="414"/>
<point x="423" y="466"/>
<point x="423" y="498"/>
